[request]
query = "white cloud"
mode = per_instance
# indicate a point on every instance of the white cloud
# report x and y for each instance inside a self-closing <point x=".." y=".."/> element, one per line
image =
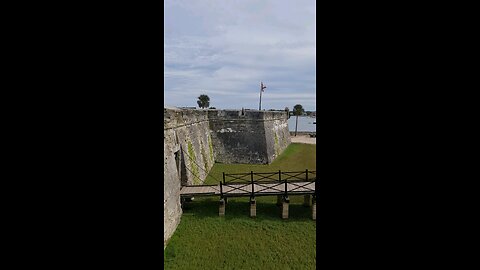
<point x="225" y="48"/>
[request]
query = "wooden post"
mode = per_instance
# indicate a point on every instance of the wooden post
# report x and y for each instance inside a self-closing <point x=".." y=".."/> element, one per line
<point x="221" y="210"/>
<point x="253" y="207"/>
<point x="285" y="203"/>
<point x="224" y="177"/>
<point x="251" y="178"/>
<point x="307" y="200"/>
<point x="314" y="208"/>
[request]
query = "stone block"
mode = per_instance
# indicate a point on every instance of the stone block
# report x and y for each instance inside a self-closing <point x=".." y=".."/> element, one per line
<point x="253" y="207"/>
<point x="221" y="208"/>
<point x="285" y="204"/>
<point x="314" y="211"/>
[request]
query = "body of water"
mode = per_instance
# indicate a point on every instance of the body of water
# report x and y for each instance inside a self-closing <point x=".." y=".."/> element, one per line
<point x="305" y="123"/>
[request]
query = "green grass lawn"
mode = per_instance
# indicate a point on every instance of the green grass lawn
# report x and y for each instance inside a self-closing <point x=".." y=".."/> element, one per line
<point x="203" y="240"/>
<point x="297" y="157"/>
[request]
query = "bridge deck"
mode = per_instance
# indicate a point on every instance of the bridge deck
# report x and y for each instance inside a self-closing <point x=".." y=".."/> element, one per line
<point x="244" y="189"/>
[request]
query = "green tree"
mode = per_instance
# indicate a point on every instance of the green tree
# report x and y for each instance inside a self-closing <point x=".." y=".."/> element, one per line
<point x="297" y="110"/>
<point x="203" y="101"/>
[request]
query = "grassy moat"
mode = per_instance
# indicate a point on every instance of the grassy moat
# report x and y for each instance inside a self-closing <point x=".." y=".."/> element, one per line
<point x="203" y="240"/>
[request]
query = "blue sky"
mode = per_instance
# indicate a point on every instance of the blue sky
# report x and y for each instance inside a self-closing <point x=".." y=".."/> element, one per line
<point x="224" y="49"/>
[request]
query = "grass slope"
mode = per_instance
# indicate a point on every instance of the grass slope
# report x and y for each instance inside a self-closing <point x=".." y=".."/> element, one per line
<point x="203" y="240"/>
<point x="297" y="157"/>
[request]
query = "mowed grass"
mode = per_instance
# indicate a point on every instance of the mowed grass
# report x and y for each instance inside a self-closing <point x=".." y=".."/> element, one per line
<point x="297" y="157"/>
<point x="203" y="240"/>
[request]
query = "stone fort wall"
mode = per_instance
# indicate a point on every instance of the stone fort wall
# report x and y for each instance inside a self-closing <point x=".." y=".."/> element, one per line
<point x="252" y="137"/>
<point x="195" y="139"/>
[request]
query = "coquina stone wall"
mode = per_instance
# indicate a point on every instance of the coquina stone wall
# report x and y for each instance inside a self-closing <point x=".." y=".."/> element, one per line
<point x="188" y="157"/>
<point x="195" y="139"/>
<point x="277" y="136"/>
<point x="252" y="137"/>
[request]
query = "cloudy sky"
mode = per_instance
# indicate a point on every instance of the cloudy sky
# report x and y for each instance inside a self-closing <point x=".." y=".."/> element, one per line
<point x="224" y="49"/>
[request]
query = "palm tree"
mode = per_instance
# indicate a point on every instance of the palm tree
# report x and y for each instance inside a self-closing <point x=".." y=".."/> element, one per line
<point x="203" y="101"/>
<point x="297" y="110"/>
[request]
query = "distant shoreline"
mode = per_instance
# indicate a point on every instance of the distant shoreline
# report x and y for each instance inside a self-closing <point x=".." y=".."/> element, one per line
<point x="305" y="124"/>
<point x="292" y="133"/>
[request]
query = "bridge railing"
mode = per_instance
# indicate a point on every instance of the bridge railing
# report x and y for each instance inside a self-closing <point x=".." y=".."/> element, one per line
<point x="274" y="181"/>
<point x="269" y="176"/>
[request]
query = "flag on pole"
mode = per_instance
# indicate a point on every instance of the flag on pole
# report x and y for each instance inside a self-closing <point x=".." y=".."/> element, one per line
<point x="263" y="86"/>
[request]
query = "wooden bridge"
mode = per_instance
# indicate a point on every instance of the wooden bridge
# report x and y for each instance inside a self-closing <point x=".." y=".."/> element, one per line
<point x="281" y="184"/>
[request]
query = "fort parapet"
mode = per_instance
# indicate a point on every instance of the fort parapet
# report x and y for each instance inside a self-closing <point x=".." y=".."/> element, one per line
<point x="195" y="139"/>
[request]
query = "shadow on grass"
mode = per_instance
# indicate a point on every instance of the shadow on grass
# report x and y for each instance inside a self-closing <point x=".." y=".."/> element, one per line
<point x="239" y="208"/>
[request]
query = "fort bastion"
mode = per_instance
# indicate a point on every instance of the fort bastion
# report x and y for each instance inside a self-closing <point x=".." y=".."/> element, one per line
<point x="195" y="139"/>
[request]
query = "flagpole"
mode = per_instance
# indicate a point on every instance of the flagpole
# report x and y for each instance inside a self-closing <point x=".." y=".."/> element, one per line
<point x="260" y="105"/>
